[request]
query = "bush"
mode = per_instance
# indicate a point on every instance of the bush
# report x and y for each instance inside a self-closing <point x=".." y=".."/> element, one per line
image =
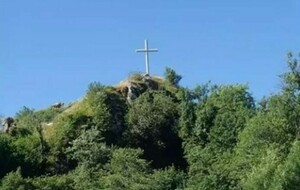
<point x="15" y="181"/>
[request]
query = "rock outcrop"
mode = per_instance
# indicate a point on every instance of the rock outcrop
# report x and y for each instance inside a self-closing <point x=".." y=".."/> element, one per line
<point x="134" y="87"/>
<point x="57" y="105"/>
<point x="8" y="124"/>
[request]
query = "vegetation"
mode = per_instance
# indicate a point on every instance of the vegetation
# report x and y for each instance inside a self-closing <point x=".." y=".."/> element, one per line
<point x="167" y="137"/>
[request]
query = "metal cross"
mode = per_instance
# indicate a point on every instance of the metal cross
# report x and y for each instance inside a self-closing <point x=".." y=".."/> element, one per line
<point x="146" y="51"/>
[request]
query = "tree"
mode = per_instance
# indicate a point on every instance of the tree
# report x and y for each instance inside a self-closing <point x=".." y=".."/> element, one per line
<point x="172" y="77"/>
<point x="153" y="126"/>
<point x="66" y="128"/>
<point x="262" y="174"/>
<point x="89" y="149"/>
<point x="29" y="154"/>
<point x="127" y="170"/>
<point x="220" y="118"/>
<point x="167" y="179"/>
<point x="222" y="115"/>
<point x="27" y="119"/>
<point x="57" y="182"/>
<point x="15" y="181"/>
<point x="291" y="79"/>
<point x="7" y="159"/>
<point x="187" y="108"/>
<point x="266" y="143"/>
<point x="108" y="110"/>
<point x="289" y="173"/>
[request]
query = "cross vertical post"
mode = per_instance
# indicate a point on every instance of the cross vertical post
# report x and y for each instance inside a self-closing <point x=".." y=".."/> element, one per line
<point x="146" y="51"/>
<point x="147" y="57"/>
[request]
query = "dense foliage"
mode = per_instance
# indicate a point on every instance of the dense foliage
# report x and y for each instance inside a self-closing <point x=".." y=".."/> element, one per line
<point x="167" y="137"/>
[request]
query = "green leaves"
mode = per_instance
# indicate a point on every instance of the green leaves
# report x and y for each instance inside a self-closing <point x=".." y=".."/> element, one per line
<point x="89" y="149"/>
<point x="107" y="109"/>
<point x="167" y="137"/>
<point x="172" y="77"/>
<point x="7" y="160"/>
<point x="15" y="181"/>
<point x="153" y="126"/>
<point x="291" y="79"/>
<point x="220" y="118"/>
<point x="127" y="170"/>
<point x="222" y="115"/>
<point x="151" y="115"/>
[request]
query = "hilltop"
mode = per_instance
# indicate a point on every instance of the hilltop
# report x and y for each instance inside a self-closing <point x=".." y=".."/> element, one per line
<point x="151" y="133"/>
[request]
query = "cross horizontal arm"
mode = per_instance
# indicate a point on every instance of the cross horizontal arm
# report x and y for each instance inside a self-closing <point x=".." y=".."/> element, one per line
<point x="146" y="50"/>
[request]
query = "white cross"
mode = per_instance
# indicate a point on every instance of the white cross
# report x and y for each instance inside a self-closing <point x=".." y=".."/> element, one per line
<point x="146" y="51"/>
